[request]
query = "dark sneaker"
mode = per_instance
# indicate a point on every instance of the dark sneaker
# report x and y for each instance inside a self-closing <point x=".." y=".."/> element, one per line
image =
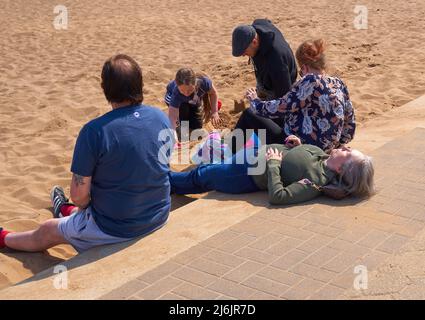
<point x="58" y="198"/>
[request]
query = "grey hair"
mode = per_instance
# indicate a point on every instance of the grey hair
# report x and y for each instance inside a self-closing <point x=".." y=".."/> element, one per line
<point x="356" y="177"/>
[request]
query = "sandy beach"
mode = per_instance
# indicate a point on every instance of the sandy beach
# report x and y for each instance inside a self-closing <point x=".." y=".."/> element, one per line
<point x="50" y="79"/>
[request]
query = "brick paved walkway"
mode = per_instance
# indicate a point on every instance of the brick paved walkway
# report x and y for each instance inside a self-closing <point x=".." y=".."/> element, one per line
<point x="302" y="252"/>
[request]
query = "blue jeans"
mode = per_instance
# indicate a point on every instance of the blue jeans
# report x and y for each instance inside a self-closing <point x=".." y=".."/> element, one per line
<point x="226" y="178"/>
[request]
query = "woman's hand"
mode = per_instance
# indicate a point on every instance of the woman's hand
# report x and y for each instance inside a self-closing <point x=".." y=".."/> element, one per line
<point x="251" y="94"/>
<point x="292" y="141"/>
<point x="274" y="154"/>
<point x="215" y="119"/>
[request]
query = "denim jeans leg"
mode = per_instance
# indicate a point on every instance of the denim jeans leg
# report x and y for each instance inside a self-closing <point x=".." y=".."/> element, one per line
<point x="226" y="178"/>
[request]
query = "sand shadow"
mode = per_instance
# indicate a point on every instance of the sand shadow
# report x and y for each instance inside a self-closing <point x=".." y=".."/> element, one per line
<point x="34" y="261"/>
<point x="41" y="263"/>
<point x="257" y="199"/>
<point x="260" y="198"/>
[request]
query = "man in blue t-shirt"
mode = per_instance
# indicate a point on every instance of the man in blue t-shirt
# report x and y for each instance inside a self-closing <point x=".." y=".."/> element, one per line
<point x="120" y="187"/>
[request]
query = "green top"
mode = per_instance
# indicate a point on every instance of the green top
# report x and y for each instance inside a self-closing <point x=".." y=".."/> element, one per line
<point x="281" y="178"/>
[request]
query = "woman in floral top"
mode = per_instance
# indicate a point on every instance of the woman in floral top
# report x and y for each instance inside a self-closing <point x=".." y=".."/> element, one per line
<point x="317" y="109"/>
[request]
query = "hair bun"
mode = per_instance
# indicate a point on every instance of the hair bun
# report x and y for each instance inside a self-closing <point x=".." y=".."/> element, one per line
<point x="314" y="50"/>
<point x="312" y="53"/>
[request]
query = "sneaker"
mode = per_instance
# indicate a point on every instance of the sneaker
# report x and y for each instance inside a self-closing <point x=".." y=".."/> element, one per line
<point x="58" y="198"/>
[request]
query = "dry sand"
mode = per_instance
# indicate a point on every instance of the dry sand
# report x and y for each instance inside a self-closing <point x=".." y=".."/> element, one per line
<point x="49" y="79"/>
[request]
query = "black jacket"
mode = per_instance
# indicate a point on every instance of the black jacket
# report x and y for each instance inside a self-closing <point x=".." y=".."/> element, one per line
<point x="275" y="67"/>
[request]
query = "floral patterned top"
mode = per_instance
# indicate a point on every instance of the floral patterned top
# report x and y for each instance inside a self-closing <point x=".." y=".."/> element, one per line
<point x="317" y="109"/>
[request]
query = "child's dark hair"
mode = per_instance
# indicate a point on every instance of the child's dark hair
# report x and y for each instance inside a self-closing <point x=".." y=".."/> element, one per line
<point x="186" y="76"/>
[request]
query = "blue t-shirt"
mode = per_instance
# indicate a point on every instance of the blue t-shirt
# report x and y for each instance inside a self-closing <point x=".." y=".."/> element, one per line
<point x="130" y="189"/>
<point x="174" y="98"/>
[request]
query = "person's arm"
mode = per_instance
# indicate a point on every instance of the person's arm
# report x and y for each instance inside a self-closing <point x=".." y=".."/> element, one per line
<point x="294" y="193"/>
<point x="349" y="127"/>
<point x="80" y="190"/>
<point x="278" y="194"/>
<point x="215" y="118"/>
<point x="292" y="102"/>
<point x="84" y="162"/>
<point x="173" y="115"/>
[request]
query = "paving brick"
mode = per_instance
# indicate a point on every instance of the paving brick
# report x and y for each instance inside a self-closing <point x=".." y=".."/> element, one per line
<point x="158" y="289"/>
<point x="194" y="292"/>
<point x="296" y="210"/>
<point x="276" y="217"/>
<point x="374" y="238"/>
<point x="303" y="290"/>
<point x="265" y="285"/>
<point x="410" y="210"/>
<point x="211" y="267"/>
<point x="354" y="234"/>
<point x="345" y="280"/>
<point x="341" y="262"/>
<point x="420" y="217"/>
<point x="284" y="246"/>
<point x="339" y="244"/>
<point x="321" y="256"/>
<point x="317" y="216"/>
<point x="308" y="271"/>
<point x="259" y="295"/>
<point x="254" y="226"/>
<point x="197" y="277"/>
<point x="159" y="272"/>
<point x="224" y="258"/>
<point x="332" y="231"/>
<point x="255" y="255"/>
<point x="374" y="260"/>
<point x="220" y="238"/>
<point x="373" y="205"/>
<point x="415" y="226"/>
<point x="243" y="271"/>
<point x="241" y="241"/>
<point x="392" y="207"/>
<point x="358" y="251"/>
<point x="125" y="291"/>
<point x="393" y="243"/>
<point x="290" y="259"/>
<point x="231" y="289"/>
<point x="192" y="253"/>
<point x="266" y="241"/>
<point x="414" y="197"/>
<point x="314" y="243"/>
<point x="345" y="221"/>
<point x="397" y="221"/>
<point x="349" y="248"/>
<point x="281" y="276"/>
<point x="171" y="296"/>
<point x="293" y="232"/>
<point x="329" y="292"/>
<point x="224" y="297"/>
<point x="316" y="228"/>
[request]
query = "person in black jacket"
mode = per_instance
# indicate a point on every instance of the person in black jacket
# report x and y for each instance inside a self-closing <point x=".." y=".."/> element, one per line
<point x="273" y="59"/>
<point x="274" y="64"/>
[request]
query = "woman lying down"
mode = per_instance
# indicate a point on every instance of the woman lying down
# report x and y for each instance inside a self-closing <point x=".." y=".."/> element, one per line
<point x="293" y="173"/>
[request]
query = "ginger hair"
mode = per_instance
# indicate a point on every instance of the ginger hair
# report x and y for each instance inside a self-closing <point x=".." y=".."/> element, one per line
<point x="312" y="54"/>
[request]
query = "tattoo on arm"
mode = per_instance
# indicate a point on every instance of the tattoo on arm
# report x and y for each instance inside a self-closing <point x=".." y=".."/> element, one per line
<point x="79" y="180"/>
